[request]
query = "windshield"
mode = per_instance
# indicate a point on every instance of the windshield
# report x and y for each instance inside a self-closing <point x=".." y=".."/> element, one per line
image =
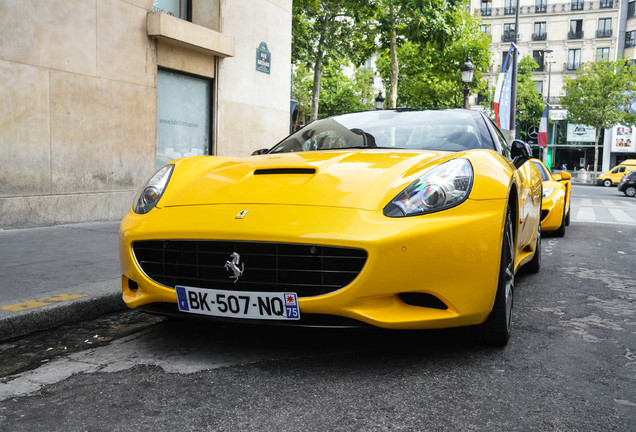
<point x="544" y="174"/>
<point x="450" y="130"/>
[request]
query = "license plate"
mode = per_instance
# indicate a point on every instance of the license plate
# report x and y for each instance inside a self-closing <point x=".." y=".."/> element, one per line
<point x="238" y="304"/>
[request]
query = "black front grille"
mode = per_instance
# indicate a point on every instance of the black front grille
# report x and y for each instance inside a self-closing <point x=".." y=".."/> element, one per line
<point x="308" y="270"/>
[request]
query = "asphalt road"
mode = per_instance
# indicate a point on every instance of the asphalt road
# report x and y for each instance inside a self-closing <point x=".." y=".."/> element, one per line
<point x="570" y="364"/>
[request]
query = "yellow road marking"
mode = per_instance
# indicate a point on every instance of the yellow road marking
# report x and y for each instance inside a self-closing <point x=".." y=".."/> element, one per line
<point x="41" y="302"/>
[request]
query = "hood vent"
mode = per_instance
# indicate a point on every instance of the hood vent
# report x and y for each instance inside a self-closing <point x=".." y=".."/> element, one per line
<point x="285" y="171"/>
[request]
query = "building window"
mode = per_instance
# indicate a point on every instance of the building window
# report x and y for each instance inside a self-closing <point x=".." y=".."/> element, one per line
<point x="539" y="31"/>
<point x="539" y="85"/>
<point x="183" y="115"/>
<point x="604" y="28"/>
<point x="508" y="33"/>
<point x="602" y="54"/>
<point x="631" y="9"/>
<point x="486" y="7"/>
<point x="485" y="28"/>
<point x="509" y="8"/>
<point x="576" y="29"/>
<point x="539" y="57"/>
<point x="574" y="59"/>
<point x="178" y="8"/>
<point x="607" y="4"/>
<point x="577" y="5"/>
<point x="540" y="6"/>
<point x="630" y="39"/>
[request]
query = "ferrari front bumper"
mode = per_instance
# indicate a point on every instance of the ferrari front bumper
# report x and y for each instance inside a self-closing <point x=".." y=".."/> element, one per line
<point x="451" y="255"/>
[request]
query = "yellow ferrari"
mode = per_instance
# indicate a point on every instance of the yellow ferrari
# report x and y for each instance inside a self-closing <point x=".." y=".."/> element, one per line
<point x="555" y="211"/>
<point x="394" y="219"/>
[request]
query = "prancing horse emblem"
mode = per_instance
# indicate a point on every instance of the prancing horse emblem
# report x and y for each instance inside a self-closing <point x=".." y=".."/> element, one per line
<point x="234" y="266"/>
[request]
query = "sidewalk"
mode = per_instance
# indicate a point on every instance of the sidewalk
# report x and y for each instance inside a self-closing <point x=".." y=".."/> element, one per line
<point x="59" y="274"/>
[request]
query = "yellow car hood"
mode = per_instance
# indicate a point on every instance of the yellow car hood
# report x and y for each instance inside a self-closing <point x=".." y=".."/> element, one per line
<point x="363" y="179"/>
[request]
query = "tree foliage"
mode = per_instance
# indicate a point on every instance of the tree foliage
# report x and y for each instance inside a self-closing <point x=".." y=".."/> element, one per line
<point x="529" y="102"/>
<point x="599" y="95"/>
<point x="431" y="38"/>
<point x="330" y="30"/>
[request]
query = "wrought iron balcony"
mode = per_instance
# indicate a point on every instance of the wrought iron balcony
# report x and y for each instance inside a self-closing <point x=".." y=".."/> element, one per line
<point x="508" y="37"/>
<point x="607" y="4"/>
<point x="486" y="11"/>
<point x="539" y="36"/>
<point x="510" y="10"/>
<point x="571" y="66"/>
<point x="542" y="8"/>
<point x="603" y="33"/>
<point x="575" y="34"/>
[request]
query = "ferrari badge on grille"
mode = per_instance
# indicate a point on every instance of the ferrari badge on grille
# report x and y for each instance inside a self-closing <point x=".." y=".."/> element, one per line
<point x="234" y="266"/>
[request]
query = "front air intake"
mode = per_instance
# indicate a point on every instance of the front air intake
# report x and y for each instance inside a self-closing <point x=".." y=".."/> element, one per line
<point x="308" y="270"/>
<point x="268" y="171"/>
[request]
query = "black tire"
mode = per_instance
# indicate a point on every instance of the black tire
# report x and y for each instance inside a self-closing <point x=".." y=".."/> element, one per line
<point x="535" y="265"/>
<point x="560" y="232"/>
<point x="496" y="329"/>
<point x="607" y="183"/>
<point x="567" y="218"/>
<point x="630" y="191"/>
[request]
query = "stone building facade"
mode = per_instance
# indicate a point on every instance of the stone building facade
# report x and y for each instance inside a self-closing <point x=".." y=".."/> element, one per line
<point x="562" y="35"/>
<point x="94" y="94"/>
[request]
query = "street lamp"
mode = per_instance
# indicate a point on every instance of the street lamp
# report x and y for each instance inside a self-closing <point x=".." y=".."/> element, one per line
<point x="467" y="77"/>
<point x="379" y="101"/>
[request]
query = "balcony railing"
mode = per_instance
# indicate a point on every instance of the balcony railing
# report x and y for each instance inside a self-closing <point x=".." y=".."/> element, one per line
<point x="603" y="33"/>
<point x="630" y="43"/>
<point x="539" y="36"/>
<point x="508" y="37"/>
<point x="565" y="7"/>
<point x="575" y="34"/>
<point x="571" y="66"/>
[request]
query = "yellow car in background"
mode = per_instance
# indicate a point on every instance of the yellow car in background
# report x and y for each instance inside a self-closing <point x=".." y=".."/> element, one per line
<point x="397" y="219"/>
<point x="555" y="210"/>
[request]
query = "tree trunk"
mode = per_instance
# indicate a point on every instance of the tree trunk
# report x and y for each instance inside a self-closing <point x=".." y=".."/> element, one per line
<point x="394" y="62"/>
<point x="598" y="137"/>
<point x="315" y="93"/>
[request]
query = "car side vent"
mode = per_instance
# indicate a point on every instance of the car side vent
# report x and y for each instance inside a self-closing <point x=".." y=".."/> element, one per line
<point x="422" y="300"/>
<point x="267" y="171"/>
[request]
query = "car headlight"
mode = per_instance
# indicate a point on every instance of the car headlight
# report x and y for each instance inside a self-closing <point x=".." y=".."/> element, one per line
<point x="151" y="193"/>
<point x="547" y="192"/>
<point x="441" y="188"/>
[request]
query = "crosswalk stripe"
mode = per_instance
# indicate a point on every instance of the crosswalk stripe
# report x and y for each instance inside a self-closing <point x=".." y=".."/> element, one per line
<point x="585" y="213"/>
<point x="621" y="216"/>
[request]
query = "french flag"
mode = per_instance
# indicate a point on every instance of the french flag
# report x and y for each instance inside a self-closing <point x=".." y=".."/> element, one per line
<point x="543" y="129"/>
<point x="500" y="82"/>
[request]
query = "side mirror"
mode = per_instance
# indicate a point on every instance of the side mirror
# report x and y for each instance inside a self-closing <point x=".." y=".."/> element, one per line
<point x="520" y="152"/>
<point x="565" y="175"/>
<point x="260" y="152"/>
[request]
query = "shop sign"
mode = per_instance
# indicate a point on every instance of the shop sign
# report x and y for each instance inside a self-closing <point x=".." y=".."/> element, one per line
<point x="581" y="133"/>
<point x="623" y="138"/>
<point x="556" y="115"/>
<point x="263" y="58"/>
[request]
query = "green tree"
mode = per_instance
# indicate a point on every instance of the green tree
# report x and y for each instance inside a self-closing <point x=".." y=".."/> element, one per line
<point x="330" y="30"/>
<point x="599" y="95"/>
<point x="429" y="70"/>
<point x="529" y="102"/>
<point x="431" y="39"/>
